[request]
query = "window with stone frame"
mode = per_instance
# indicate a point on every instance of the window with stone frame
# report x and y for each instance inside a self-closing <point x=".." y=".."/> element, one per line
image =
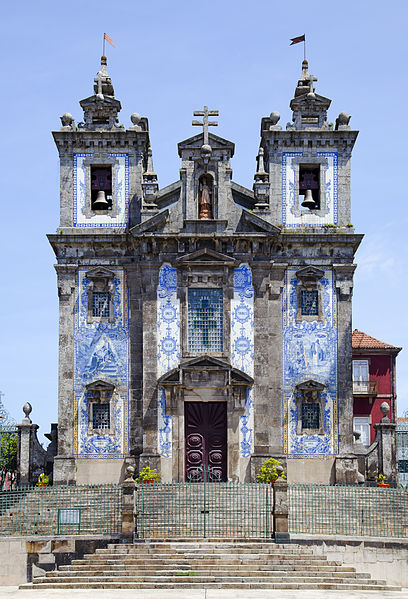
<point x="309" y="406"/>
<point x="99" y="399"/>
<point x="309" y="294"/>
<point x="100" y="290"/>
<point x="205" y="320"/>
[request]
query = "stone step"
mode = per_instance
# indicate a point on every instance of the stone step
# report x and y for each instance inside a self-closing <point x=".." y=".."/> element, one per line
<point x="157" y="562"/>
<point x="203" y="572"/>
<point x="215" y="585"/>
<point x="181" y="577"/>
<point x="313" y="570"/>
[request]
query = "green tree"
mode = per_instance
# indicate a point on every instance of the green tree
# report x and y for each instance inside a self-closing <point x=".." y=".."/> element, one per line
<point x="8" y="448"/>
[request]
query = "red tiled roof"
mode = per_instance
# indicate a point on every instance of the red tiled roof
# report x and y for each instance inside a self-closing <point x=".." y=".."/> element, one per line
<point x="363" y="341"/>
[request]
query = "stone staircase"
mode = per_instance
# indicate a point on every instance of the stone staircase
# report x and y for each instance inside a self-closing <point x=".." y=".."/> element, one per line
<point x="220" y="564"/>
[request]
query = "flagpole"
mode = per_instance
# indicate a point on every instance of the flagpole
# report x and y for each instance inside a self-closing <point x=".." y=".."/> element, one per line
<point x="103" y="44"/>
<point x="304" y="48"/>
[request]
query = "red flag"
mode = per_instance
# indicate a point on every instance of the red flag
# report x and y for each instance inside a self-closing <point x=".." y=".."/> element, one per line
<point x="296" y="40"/>
<point x="108" y="39"/>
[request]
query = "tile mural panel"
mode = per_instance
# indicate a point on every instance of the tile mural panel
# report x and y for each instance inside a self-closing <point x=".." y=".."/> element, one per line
<point x="242" y="346"/>
<point x="292" y="214"/>
<point x="168" y="347"/>
<point x="82" y="216"/>
<point x="101" y="351"/>
<point x="310" y="352"/>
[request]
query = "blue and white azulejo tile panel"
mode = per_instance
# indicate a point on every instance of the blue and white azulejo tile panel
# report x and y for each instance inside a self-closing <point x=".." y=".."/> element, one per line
<point x="242" y="346"/>
<point x="82" y="214"/>
<point x="101" y="352"/>
<point x="310" y="353"/>
<point x="168" y="347"/>
<point x="292" y="213"/>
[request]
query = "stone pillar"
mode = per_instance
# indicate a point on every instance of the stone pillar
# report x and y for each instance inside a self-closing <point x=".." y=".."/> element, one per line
<point x="385" y="432"/>
<point x="346" y="472"/>
<point x="128" y="506"/>
<point x="31" y="457"/>
<point x="281" y="511"/>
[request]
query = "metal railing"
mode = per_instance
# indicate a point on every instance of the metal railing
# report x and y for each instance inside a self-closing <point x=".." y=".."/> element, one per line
<point x="204" y="509"/>
<point x="64" y="510"/>
<point x="365" y="387"/>
<point x="348" y="510"/>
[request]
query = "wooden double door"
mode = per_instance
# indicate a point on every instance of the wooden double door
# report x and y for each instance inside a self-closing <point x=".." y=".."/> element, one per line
<point x="205" y="437"/>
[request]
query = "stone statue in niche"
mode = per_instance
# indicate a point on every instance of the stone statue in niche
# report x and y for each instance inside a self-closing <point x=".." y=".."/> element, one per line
<point x="205" y="198"/>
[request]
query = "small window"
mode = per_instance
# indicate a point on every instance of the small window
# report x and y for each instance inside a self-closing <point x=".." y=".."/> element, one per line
<point x="309" y="186"/>
<point x="403" y="466"/>
<point x="309" y="303"/>
<point x="310" y="416"/>
<point x="362" y="425"/>
<point x="101" y="187"/>
<point x="100" y="304"/>
<point x="205" y="320"/>
<point x="101" y="416"/>
<point x="360" y="370"/>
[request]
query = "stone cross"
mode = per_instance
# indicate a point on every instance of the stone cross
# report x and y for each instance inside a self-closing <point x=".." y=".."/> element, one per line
<point x="205" y="123"/>
<point x="311" y="78"/>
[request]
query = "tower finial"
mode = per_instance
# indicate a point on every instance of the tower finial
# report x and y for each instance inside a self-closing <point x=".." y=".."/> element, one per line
<point x="103" y="83"/>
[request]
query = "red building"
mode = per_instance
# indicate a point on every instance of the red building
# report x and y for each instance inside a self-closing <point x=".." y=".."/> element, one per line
<point x="373" y="382"/>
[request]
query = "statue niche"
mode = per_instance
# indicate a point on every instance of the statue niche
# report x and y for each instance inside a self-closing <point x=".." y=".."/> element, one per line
<point x="205" y="197"/>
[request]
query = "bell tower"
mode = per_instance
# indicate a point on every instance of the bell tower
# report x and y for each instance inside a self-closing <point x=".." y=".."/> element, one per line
<point x="308" y="164"/>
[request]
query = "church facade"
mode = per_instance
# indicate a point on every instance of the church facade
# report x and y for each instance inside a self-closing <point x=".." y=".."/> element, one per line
<point x="205" y="324"/>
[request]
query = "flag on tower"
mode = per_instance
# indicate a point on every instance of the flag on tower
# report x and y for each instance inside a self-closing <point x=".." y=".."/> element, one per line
<point x="296" y="40"/>
<point x="108" y="39"/>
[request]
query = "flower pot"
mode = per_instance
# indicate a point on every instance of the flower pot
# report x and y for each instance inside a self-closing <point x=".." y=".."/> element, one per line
<point x="386" y="485"/>
<point x="148" y="481"/>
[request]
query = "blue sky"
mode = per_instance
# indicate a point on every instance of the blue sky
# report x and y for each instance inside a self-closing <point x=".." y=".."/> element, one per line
<point x="170" y="59"/>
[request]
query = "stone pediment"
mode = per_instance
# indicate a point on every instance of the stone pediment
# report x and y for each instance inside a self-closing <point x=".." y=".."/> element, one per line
<point x="309" y="274"/>
<point x="310" y="385"/>
<point x="99" y="386"/>
<point x="305" y="100"/>
<point x="99" y="273"/>
<point x="251" y="223"/>
<point x="206" y="257"/>
<point x="94" y="100"/>
<point x="216" y="143"/>
<point x="206" y="363"/>
<point x="153" y="224"/>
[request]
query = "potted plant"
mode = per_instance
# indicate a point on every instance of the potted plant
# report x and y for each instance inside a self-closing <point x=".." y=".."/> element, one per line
<point x="381" y="481"/>
<point x="270" y="471"/>
<point x="148" y="476"/>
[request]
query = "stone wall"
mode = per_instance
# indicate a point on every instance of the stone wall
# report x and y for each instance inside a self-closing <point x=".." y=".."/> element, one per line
<point x="23" y="559"/>
<point x="383" y="558"/>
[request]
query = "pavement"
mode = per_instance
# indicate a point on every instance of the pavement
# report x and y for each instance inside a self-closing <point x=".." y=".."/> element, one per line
<point x="16" y="593"/>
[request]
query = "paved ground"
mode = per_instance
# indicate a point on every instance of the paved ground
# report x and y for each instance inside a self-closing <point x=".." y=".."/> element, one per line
<point x="15" y="593"/>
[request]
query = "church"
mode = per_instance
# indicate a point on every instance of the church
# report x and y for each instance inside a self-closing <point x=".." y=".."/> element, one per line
<point x="205" y="323"/>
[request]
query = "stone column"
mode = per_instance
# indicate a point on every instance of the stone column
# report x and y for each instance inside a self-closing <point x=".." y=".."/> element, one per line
<point x="385" y="431"/>
<point x="281" y="511"/>
<point x="128" y="506"/>
<point x="31" y="457"/>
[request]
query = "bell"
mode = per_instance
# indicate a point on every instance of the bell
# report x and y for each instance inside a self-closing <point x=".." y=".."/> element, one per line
<point x="309" y="202"/>
<point x="101" y="202"/>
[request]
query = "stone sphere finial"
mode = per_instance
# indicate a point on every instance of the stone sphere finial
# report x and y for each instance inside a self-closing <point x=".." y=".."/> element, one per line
<point x="67" y="119"/>
<point x="129" y="472"/>
<point x="27" y="409"/>
<point x="343" y="118"/>
<point x="274" y="116"/>
<point x="385" y="408"/>
<point x="135" y="118"/>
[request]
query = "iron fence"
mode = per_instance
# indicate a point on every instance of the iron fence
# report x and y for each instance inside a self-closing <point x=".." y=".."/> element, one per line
<point x="348" y="510"/>
<point x="82" y="509"/>
<point x="204" y="509"/>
